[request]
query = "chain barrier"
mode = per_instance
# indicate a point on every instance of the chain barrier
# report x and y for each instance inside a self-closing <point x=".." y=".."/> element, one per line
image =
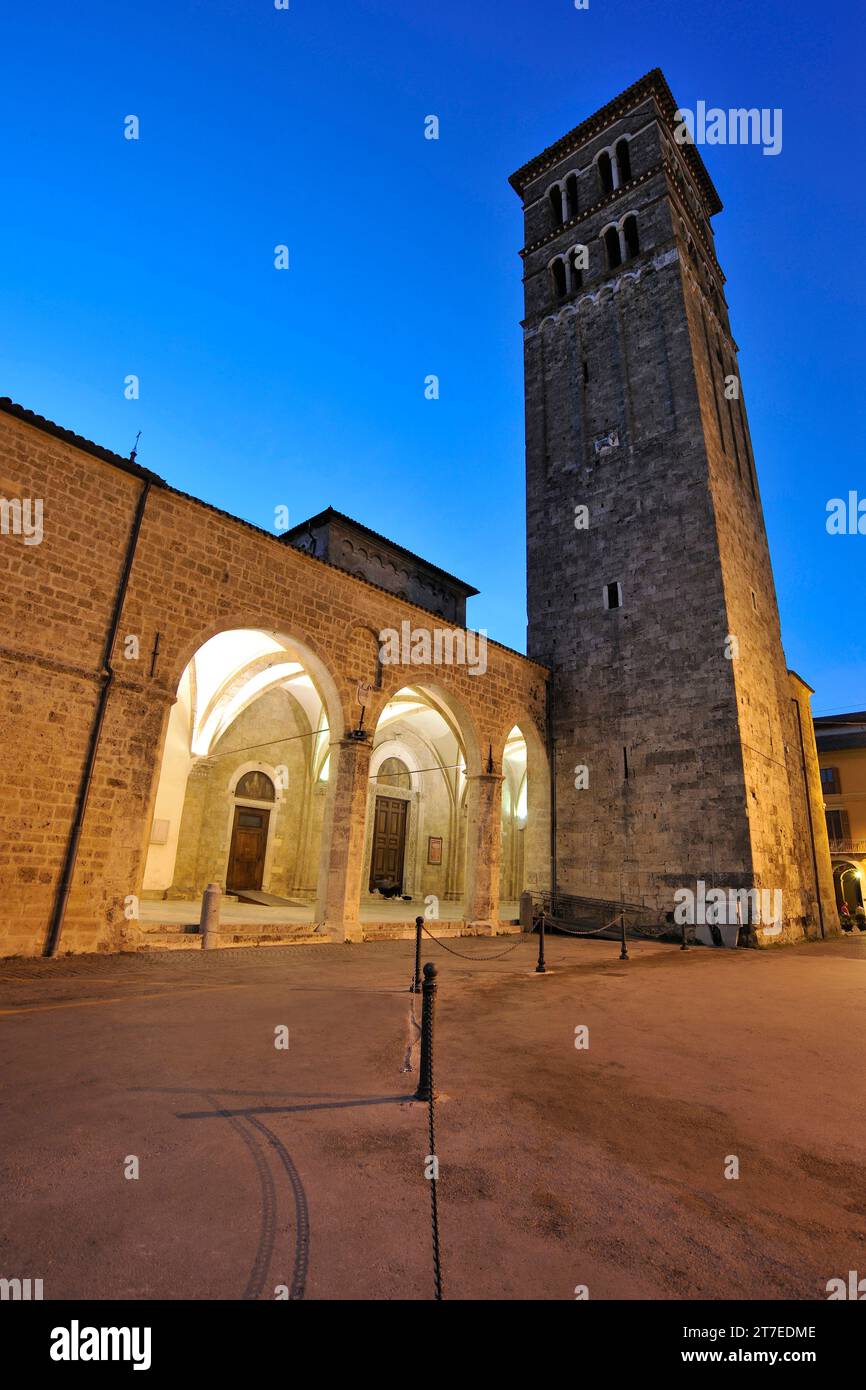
<point x="427" y="1092"/>
<point x="552" y="922"/>
<point x="434" y="1202"/>
<point x="498" y="956"/>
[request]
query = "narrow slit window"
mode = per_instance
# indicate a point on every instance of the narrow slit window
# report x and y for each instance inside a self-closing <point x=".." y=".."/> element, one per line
<point x="623" y="159"/>
<point x="611" y="246"/>
<point x="613" y="595"/>
<point x="629" y="230"/>
<point x="605" y="173"/>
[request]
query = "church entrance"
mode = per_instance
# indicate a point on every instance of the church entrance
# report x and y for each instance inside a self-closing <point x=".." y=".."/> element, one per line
<point x="389" y="843"/>
<point x="247" y="854"/>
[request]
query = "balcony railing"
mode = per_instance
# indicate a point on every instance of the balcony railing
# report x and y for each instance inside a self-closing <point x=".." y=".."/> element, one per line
<point x="848" y="846"/>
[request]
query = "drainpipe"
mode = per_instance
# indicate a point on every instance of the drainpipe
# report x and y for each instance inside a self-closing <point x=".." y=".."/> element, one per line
<point x="551" y="763"/>
<point x="796" y="704"/>
<point x="106" y="678"/>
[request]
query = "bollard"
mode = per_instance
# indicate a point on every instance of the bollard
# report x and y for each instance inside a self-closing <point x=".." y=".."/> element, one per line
<point x="623" y="954"/>
<point x="415" y="986"/>
<point x="541" y="968"/>
<point x="209" y="923"/>
<point x="684" y="947"/>
<point x="428" y="1009"/>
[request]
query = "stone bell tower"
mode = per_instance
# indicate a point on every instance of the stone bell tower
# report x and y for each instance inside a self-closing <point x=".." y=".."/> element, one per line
<point x="683" y="750"/>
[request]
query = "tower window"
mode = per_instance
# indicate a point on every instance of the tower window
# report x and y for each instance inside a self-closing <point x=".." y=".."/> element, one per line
<point x="613" y="595"/>
<point x="611" y="246"/>
<point x="575" y="269"/>
<point x="623" y="159"/>
<point x="558" y="278"/>
<point x="571" y="196"/>
<point x="555" y="196"/>
<point x="605" y="172"/>
<point x="632" y="244"/>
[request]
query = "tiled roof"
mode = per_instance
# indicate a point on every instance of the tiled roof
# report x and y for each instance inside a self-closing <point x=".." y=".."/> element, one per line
<point x="68" y="437"/>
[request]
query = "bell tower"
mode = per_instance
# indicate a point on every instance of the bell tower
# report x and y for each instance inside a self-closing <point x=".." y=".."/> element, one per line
<point x="683" y="750"/>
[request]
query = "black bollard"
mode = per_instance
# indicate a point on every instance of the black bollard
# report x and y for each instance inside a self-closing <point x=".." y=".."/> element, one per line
<point x="415" y="987"/>
<point x="684" y="947"/>
<point x="623" y="954"/>
<point x="541" y="968"/>
<point x="428" y="1009"/>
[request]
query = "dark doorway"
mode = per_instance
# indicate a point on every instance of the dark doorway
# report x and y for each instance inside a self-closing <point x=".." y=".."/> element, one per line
<point x="389" y="842"/>
<point x="247" y="853"/>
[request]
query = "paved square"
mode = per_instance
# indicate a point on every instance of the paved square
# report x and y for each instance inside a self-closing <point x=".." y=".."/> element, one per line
<point x="303" y="1167"/>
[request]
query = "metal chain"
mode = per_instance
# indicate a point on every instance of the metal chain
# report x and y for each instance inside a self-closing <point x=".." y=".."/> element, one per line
<point x="497" y="956"/>
<point x="434" y="1207"/>
<point x="595" y="932"/>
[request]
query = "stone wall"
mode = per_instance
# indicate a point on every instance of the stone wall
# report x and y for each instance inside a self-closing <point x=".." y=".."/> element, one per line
<point x="197" y="571"/>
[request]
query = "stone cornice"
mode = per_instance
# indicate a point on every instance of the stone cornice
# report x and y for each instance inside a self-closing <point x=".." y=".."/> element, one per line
<point x="652" y="86"/>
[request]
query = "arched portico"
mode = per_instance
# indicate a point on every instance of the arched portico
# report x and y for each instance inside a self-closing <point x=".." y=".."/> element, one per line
<point x="241" y="792"/>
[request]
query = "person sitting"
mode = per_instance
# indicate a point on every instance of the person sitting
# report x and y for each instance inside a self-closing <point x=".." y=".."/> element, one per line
<point x="845" y="916"/>
<point x="860" y="917"/>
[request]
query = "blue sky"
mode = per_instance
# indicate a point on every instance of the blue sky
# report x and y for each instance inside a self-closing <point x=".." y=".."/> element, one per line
<point x="306" y="387"/>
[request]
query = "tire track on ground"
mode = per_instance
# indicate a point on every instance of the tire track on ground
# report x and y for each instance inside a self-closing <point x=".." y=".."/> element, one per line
<point x="268" y="1232"/>
<point x="302" y="1213"/>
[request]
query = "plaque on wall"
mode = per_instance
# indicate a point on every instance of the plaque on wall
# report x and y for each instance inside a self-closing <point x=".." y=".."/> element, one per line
<point x="434" y="849"/>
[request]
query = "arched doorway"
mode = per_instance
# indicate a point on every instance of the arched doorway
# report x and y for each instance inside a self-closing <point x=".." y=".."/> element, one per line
<point x="525" y="862"/>
<point x="416" y="810"/>
<point x="242" y="786"/>
<point x="515" y="813"/>
<point x="848" y="884"/>
<point x="254" y="796"/>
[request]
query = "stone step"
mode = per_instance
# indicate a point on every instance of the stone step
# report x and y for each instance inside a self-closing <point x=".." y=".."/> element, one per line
<point x="168" y="937"/>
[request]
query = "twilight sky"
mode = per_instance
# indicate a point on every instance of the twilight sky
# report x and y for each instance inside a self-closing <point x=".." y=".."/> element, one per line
<point x="305" y="387"/>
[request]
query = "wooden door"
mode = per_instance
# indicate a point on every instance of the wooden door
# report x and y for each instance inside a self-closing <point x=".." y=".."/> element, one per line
<point x="389" y="841"/>
<point x="247" y="853"/>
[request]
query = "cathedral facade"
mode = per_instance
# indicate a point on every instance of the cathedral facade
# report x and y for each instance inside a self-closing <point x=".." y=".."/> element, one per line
<point x="305" y="719"/>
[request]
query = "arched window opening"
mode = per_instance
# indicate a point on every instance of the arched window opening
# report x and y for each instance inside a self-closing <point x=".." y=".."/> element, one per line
<point x="611" y="246"/>
<point x="632" y="244"/>
<point x="558" y="276"/>
<point x="605" y="173"/>
<point x="571" y="196"/>
<point x="555" y="196"/>
<point x="575" y="270"/>
<point x="255" y="786"/>
<point x="623" y="159"/>
<point x="394" y="773"/>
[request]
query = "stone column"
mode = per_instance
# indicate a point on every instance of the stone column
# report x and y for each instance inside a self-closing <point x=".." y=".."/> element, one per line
<point x="483" y="834"/>
<point x="342" y="854"/>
